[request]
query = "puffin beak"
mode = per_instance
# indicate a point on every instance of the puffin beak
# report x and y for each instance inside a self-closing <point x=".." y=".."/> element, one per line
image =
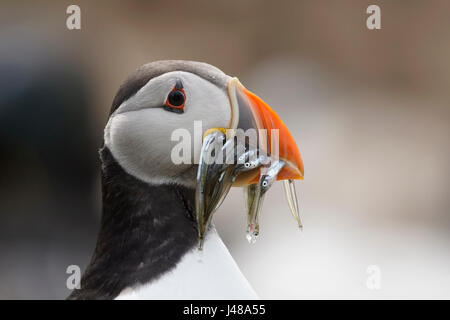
<point x="250" y="112"/>
<point x="272" y="155"/>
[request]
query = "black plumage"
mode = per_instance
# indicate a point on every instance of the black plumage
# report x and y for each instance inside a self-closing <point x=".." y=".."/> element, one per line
<point x="138" y="241"/>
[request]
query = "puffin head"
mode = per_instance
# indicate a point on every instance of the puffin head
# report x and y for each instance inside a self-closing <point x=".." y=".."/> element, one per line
<point x="163" y="99"/>
<point x="164" y="96"/>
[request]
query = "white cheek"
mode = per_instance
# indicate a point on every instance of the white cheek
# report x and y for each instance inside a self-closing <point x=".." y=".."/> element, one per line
<point x="140" y="142"/>
<point x="209" y="109"/>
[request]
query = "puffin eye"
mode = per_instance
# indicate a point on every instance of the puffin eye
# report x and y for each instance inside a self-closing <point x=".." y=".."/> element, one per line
<point x="176" y="98"/>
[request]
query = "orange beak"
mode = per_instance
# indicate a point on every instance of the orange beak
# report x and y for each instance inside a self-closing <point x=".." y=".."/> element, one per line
<point x="250" y="111"/>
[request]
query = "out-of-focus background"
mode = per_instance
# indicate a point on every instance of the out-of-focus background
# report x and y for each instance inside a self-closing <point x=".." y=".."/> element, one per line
<point x="369" y="109"/>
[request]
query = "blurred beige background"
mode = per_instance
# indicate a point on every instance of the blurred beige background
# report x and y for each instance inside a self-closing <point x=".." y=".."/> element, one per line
<point x="369" y="109"/>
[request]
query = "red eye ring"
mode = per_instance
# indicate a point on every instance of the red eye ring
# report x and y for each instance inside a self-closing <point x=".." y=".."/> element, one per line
<point x="176" y="98"/>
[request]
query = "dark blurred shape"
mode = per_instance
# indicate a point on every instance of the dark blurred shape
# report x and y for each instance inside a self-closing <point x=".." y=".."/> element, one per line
<point x="49" y="163"/>
<point x="46" y="113"/>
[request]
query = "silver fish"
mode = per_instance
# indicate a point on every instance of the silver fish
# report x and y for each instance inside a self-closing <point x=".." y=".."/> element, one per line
<point x="289" y="189"/>
<point x="254" y="197"/>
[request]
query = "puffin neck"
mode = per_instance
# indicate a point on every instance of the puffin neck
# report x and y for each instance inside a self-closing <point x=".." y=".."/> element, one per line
<point x="145" y="230"/>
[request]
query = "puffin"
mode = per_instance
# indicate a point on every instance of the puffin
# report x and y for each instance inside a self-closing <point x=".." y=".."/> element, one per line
<point x="175" y="143"/>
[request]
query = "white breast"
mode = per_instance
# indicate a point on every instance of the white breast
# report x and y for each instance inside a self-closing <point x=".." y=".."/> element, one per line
<point x="208" y="274"/>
